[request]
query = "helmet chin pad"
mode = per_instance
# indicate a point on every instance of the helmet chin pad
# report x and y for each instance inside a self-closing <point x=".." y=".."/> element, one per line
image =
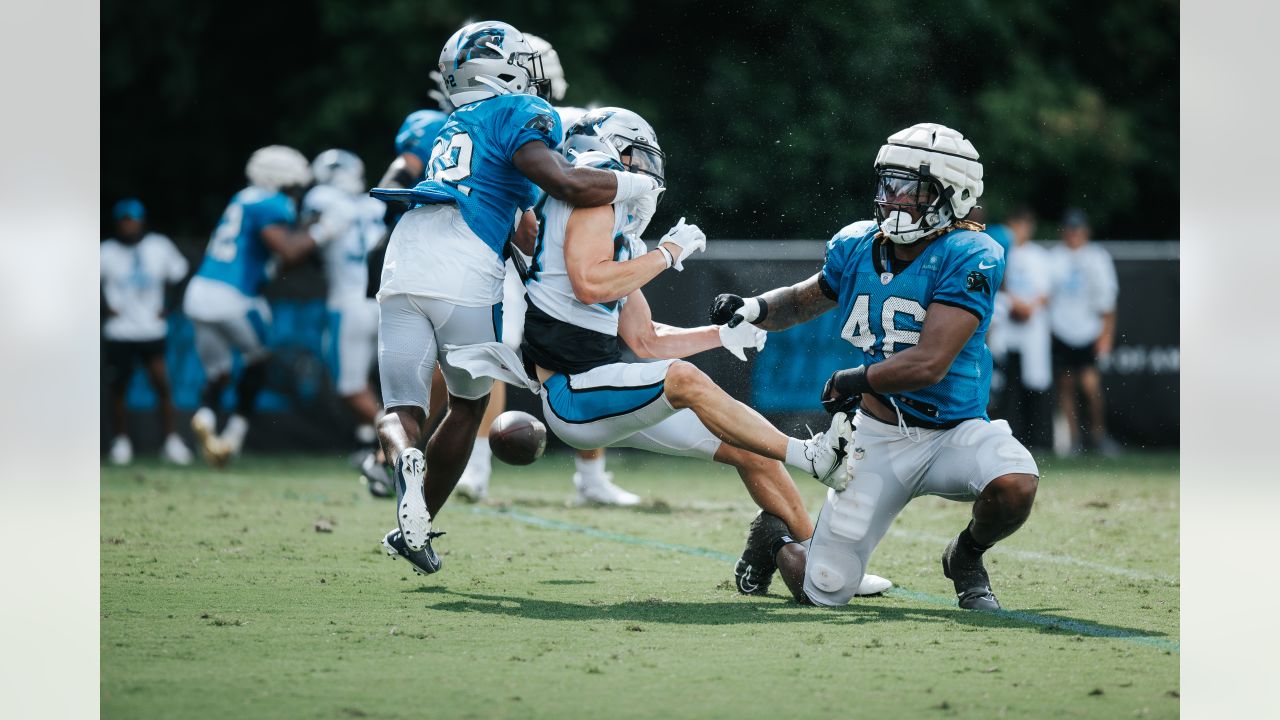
<point x="898" y="226"/>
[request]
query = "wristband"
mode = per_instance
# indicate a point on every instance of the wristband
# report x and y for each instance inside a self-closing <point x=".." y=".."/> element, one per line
<point x="632" y="185"/>
<point x="667" y="254"/>
<point x="852" y="382"/>
<point x="764" y="310"/>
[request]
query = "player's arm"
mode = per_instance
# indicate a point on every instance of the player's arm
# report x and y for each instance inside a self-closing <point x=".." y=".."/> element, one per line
<point x="288" y="244"/>
<point x="588" y="256"/>
<point x="579" y="186"/>
<point x="649" y="339"/>
<point x="946" y="330"/>
<point x="777" y="309"/>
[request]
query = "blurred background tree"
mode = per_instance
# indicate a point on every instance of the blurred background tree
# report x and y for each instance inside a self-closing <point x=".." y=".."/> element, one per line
<point x="771" y="112"/>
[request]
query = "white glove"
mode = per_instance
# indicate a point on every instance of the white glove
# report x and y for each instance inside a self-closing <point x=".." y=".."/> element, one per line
<point x="632" y="185"/>
<point x="689" y="238"/>
<point x="745" y="335"/>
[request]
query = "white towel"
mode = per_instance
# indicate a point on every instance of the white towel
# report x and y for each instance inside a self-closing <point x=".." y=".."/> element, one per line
<point x="492" y="359"/>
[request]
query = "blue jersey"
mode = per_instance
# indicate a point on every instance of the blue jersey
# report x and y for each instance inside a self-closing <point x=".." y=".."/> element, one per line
<point x="418" y="133"/>
<point x="1002" y="235"/>
<point x="236" y="254"/>
<point x="884" y="310"/>
<point x="471" y="163"/>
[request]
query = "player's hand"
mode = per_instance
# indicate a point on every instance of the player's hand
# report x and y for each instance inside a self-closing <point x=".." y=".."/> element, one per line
<point x="731" y="310"/>
<point x="686" y="240"/>
<point x="736" y="339"/>
<point x="835" y="396"/>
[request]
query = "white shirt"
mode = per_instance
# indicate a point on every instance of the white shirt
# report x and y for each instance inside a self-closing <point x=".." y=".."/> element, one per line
<point x="133" y="284"/>
<point x="1084" y="288"/>
<point x="357" y="225"/>
<point x="1028" y="277"/>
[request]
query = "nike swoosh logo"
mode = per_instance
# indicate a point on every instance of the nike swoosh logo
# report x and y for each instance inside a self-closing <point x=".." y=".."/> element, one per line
<point x="986" y="267"/>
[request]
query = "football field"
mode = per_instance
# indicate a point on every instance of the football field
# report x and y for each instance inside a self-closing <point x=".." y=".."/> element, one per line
<point x="262" y="591"/>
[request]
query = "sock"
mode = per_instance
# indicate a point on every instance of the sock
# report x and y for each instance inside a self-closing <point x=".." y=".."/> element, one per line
<point x="481" y="454"/>
<point x="589" y="468"/>
<point x="237" y="428"/>
<point x="252" y="380"/>
<point x="780" y="542"/>
<point x="968" y="543"/>
<point x="796" y="457"/>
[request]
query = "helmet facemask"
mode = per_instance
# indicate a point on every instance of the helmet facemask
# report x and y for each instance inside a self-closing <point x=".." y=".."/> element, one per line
<point x="645" y="159"/>
<point x="910" y="204"/>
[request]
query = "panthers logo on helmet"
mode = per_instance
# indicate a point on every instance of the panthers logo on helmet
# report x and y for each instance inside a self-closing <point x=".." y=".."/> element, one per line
<point x="476" y="46"/>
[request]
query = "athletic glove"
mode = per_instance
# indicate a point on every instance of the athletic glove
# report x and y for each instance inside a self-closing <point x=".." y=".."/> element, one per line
<point x="729" y="309"/>
<point x="689" y="238"/>
<point x="632" y="185"/>
<point x="844" y="390"/>
<point x="736" y="339"/>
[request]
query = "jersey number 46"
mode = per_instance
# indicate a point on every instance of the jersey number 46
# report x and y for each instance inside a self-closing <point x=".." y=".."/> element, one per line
<point x="858" y="330"/>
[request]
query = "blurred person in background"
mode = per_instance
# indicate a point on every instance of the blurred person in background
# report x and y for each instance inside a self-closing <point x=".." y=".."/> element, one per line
<point x="137" y="267"/>
<point x="1023" y="332"/>
<point x="1082" y="315"/>
<point x="338" y="201"/>
<point x="224" y="300"/>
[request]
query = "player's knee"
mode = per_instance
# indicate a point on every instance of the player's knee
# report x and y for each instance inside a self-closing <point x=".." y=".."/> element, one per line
<point x="471" y="409"/>
<point x="685" y="383"/>
<point x="791" y="561"/>
<point x="1015" y="493"/>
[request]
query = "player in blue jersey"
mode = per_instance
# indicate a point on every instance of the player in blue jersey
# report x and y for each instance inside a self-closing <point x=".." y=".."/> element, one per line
<point x="224" y="300"/>
<point x="443" y="272"/>
<point x="917" y="287"/>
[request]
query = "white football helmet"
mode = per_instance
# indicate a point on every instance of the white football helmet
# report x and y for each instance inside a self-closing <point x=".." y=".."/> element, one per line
<point x="277" y="166"/>
<point x="628" y="134"/>
<point x="551" y="67"/>
<point x="487" y="59"/>
<point x="341" y="169"/>
<point x="926" y="176"/>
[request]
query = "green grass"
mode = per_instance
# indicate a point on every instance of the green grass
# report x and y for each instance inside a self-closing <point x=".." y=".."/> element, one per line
<point x="221" y="600"/>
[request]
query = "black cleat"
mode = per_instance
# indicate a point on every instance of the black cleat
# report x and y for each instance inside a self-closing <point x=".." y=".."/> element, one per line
<point x="965" y="570"/>
<point x="424" y="561"/>
<point x="755" y="568"/>
<point x="377" y="477"/>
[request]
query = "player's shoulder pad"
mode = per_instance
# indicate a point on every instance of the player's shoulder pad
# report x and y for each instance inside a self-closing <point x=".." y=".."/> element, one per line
<point x="850" y="239"/>
<point x="968" y="243"/>
<point x="534" y="113"/>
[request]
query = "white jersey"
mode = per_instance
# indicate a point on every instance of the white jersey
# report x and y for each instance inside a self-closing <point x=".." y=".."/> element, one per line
<point x="1084" y="288"/>
<point x="133" y="284"/>
<point x="358" y="224"/>
<point x="548" y="286"/>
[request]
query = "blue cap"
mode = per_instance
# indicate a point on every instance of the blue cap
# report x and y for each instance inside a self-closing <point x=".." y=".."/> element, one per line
<point x="129" y="207"/>
<point x="1074" y="218"/>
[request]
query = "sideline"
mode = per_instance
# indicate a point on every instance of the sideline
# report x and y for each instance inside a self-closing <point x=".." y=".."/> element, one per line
<point x="1080" y="627"/>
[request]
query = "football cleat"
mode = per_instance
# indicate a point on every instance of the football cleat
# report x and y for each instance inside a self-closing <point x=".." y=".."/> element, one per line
<point x="600" y="490"/>
<point x="825" y="452"/>
<point x="377" y="477"/>
<point x="754" y="570"/>
<point x="966" y="572"/>
<point x="872" y="585"/>
<point x="473" y="486"/>
<point x="411" y="504"/>
<point x="121" y="450"/>
<point x="216" y="450"/>
<point x="424" y="561"/>
<point x="175" y="451"/>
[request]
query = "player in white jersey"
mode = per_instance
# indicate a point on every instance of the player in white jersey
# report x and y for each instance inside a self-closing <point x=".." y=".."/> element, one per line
<point x="592" y="482"/>
<point x="137" y="266"/>
<point x="356" y="220"/>
<point x="584" y="290"/>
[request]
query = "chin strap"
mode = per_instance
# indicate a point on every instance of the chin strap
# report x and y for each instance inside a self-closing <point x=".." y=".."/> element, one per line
<point x="954" y="225"/>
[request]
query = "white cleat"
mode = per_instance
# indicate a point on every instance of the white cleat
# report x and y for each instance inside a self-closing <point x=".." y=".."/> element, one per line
<point x="600" y="490"/>
<point x="473" y="486"/>
<point x="175" y="451"/>
<point x="121" y="451"/>
<point x="411" y="511"/>
<point x="205" y="425"/>
<point x="872" y="585"/>
<point x="826" y="452"/>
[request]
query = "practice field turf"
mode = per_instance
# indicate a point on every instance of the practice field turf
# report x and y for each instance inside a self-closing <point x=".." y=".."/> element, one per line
<point x="261" y="591"/>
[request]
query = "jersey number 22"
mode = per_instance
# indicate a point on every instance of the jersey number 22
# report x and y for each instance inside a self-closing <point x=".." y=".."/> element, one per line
<point x="453" y="163"/>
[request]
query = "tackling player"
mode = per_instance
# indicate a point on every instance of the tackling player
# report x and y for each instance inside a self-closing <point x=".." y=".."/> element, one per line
<point x="137" y="266"/>
<point x="585" y="297"/>
<point x="338" y="202"/>
<point x="224" y="300"/>
<point x="917" y="288"/>
<point x="443" y="273"/>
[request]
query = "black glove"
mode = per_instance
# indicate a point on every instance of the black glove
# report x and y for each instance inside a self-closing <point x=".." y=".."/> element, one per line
<point x="724" y="306"/>
<point x="844" y="390"/>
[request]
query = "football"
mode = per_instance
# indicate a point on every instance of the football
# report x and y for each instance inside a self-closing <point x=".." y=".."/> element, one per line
<point x="517" y="438"/>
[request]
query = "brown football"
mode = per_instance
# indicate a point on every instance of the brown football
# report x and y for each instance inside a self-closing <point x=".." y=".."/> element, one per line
<point x="517" y="438"/>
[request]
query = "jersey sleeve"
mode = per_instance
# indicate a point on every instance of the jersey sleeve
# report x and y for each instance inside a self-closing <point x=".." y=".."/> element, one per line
<point x="530" y="118"/>
<point x="970" y="277"/>
<point x="840" y="253"/>
<point x="418" y="133"/>
<point x="275" y="210"/>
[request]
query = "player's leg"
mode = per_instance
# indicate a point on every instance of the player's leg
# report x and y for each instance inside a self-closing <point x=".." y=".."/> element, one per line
<point x="407" y="349"/>
<point x="248" y="334"/>
<point x="174" y="449"/>
<point x="981" y="461"/>
<point x="118" y="361"/>
<point x="1091" y="388"/>
<point x="473" y="484"/>
<point x="741" y="426"/>
<point x="354" y="331"/>
<point x="214" y="350"/>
